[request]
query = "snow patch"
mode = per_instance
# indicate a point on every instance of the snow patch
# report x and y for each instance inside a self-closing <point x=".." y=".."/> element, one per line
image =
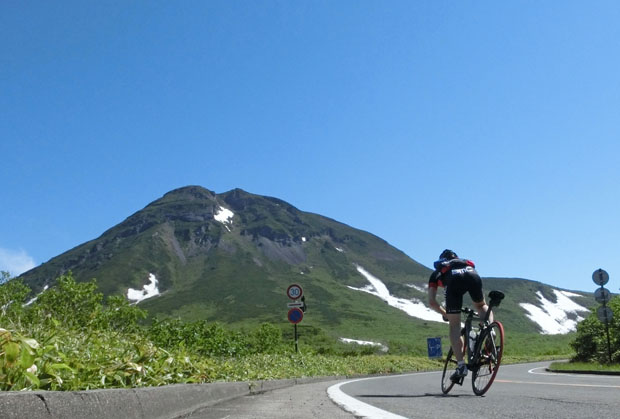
<point x="224" y="216"/>
<point x="365" y="342"/>
<point x="303" y="239"/>
<point x="417" y="287"/>
<point x="551" y="317"/>
<point x="33" y="299"/>
<point x="339" y="249"/>
<point x="149" y="290"/>
<point x="570" y="294"/>
<point x="414" y="308"/>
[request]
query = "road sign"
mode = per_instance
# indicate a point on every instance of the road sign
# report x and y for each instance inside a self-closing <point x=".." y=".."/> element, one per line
<point x="600" y="277"/>
<point x="434" y="347"/>
<point x="294" y="291"/>
<point x="295" y="315"/>
<point x="602" y="295"/>
<point x="604" y="314"/>
<point x="298" y="304"/>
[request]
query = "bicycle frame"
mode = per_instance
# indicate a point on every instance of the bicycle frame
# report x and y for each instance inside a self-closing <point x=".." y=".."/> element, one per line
<point x="465" y="332"/>
<point x="483" y="361"/>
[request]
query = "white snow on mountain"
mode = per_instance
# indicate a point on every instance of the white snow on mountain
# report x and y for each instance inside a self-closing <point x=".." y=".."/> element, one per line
<point x="365" y="342"/>
<point x="414" y="308"/>
<point x="552" y="318"/>
<point x="33" y="299"/>
<point x="224" y="216"/>
<point x="418" y="288"/>
<point x="149" y="290"/>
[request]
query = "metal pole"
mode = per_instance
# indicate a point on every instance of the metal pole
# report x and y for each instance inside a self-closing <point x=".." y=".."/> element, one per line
<point x="297" y="350"/>
<point x="607" y="330"/>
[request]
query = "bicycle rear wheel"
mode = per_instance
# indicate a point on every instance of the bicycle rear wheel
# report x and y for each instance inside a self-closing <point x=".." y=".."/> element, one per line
<point x="448" y="368"/>
<point x="490" y="357"/>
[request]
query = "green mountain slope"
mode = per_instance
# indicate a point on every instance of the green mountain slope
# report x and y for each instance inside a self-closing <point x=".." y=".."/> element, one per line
<point x="230" y="257"/>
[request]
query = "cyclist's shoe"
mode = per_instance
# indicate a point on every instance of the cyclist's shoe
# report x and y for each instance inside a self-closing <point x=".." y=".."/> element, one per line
<point x="459" y="373"/>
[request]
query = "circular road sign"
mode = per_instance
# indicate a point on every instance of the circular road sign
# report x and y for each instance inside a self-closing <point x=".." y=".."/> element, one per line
<point x="604" y="314"/>
<point x="600" y="277"/>
<point x="602" y="295"/>
<point x="295" y="315"/>
<point x="294" y="291"/>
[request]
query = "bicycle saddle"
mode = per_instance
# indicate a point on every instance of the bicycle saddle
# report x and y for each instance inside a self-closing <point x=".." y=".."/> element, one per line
<point x="496" y="297"/>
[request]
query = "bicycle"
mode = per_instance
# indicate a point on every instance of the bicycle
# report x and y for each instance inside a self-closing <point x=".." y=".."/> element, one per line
<point x="484" y="353"/>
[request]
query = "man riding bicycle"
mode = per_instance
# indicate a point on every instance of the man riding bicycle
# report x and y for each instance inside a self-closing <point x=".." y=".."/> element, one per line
<point x="457" y="276"/>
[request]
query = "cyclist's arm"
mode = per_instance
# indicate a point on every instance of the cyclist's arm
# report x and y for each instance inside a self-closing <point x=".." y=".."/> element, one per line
<point x="432" y="302"/>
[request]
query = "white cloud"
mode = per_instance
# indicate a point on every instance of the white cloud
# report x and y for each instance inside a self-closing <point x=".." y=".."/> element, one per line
<point x="15" y="261"/>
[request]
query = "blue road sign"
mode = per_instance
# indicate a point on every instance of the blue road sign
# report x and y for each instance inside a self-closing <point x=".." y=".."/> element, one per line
<point x="295" y="315"/>
<point x="434" y="347"/>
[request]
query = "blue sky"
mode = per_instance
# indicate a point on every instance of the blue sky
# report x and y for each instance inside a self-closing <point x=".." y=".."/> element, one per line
<point x="487" y="127"/>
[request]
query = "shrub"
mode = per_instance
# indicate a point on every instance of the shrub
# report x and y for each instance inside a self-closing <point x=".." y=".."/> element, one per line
<point x="590" y="343"/>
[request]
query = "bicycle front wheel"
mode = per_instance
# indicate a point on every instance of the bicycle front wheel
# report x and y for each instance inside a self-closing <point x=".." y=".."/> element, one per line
<point x="490" y="350"/>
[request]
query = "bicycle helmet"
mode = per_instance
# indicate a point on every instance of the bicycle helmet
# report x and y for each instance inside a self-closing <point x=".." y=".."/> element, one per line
<point x="448" y="255"/>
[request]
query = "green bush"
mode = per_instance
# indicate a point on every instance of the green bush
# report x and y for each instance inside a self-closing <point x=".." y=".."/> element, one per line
<point x="590" y="343"/>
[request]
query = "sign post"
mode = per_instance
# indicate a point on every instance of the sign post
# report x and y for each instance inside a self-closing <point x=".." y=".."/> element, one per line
<point x="434" y="348"/>
<point x="296" y="308"/>
<point x="602" y="295"/>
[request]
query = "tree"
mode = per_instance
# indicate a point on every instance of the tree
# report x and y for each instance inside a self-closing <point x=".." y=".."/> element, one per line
<point x="72" y="304"/>
<point x="590" y="344"/>
<point x="13" y="294"/>
<point x="4" y="277"/>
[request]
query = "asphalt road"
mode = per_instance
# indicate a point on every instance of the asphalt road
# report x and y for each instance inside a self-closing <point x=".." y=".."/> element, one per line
<point x="303" y="401"/>
<point x="519" y="391"/>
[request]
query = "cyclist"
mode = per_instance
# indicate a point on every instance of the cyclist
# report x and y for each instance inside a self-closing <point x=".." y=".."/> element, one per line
<point x="457" y="276"/>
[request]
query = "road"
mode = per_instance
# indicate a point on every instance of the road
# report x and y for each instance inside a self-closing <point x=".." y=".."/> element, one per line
<point x="519" y="391"/>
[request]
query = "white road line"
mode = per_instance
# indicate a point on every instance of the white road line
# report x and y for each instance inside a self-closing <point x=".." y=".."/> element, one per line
<point x="547" y="373"/>
<point x="361" y="409"/>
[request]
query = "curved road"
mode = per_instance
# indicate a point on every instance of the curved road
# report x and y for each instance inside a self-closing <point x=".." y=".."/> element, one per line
<point x="519" y="391"/>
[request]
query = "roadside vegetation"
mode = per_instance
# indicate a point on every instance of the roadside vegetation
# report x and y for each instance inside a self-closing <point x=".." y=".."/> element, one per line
<point x="592" y="351"/>
<point x="71" y="338"/>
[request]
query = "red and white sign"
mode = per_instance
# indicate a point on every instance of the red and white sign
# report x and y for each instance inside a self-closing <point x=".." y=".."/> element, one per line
<point x="294" y="291"/>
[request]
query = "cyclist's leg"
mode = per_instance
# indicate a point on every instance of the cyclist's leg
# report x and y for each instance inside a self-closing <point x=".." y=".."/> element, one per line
<point x="475" y="292"/>
<point x="454" y="301"/>
<point x="456" y="342"/>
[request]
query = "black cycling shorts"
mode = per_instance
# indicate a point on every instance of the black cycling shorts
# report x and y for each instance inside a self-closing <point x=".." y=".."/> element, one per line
<point x="457" y="285"/>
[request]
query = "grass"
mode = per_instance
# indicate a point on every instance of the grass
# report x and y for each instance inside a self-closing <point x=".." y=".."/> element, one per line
<point x="584" y="367"/>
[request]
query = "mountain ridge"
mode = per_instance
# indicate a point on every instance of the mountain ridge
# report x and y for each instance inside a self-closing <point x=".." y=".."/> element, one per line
<point x="229" y="257"/>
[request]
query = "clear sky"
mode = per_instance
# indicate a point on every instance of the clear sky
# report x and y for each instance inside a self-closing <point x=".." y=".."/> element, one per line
<point x="488" y="127"/>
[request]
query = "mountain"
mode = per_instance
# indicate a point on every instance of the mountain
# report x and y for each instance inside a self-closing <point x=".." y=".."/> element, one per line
<point x="230" y="257"/>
